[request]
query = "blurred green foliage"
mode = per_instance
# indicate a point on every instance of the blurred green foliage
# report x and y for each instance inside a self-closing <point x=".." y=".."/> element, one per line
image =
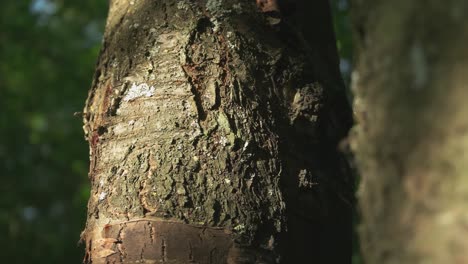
<point x="48" y="49"/>
<point x="47" y="56"/>
<point x="342" y="27"/>
<point x="344" y="43"/>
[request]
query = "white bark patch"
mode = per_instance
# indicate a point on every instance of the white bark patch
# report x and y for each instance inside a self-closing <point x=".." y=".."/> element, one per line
<point x="140" y="90"/>
<point x="223" y="141"/>
<point x="102" y="196"/>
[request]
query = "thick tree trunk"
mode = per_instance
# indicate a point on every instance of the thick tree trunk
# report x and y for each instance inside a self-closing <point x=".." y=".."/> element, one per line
<point x="213" y="131"/>
<point x="411" y="141"/>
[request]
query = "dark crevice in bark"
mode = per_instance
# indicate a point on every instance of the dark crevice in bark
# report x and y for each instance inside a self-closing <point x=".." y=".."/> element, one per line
<point x="163" y="250"/>
<point x="197" y="98"/>
<point x="151" y="233"/>
<point x="190" y="253"/>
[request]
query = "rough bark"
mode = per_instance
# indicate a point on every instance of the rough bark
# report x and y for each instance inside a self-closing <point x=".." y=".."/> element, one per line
<point x="213" y="131"/>
<point x="411" y="139"/>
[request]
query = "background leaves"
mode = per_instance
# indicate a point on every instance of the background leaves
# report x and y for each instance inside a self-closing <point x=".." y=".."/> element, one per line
<point x="47" y="55"/>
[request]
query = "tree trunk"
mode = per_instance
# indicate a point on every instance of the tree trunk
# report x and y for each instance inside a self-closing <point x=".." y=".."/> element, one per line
<point x="213" y="130"/>
<point x="411" y="140"/>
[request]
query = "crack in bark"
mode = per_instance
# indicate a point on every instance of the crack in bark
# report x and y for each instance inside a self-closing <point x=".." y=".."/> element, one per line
<point x="163" y="250"/>
<point x="164" y="9"/>
<point x="196" y="94"/>
<point x="191" y="72"/>
<point x="143" y="249"/>
<point x="190" y="251"/>
<point x="117" y="99"/>
<point x="119" y="243"/>
<point x="142" y="199"/>
<point x="151" y="233"/>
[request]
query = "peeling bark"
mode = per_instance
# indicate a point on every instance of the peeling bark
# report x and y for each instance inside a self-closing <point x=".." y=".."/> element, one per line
<point x="213" y="137"/>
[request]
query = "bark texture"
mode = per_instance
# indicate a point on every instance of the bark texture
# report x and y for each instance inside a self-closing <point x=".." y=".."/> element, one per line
<point x="411" y="140"/>
<point x="213" y="133"/>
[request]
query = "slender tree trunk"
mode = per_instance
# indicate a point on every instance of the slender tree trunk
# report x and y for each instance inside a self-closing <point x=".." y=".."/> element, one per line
<point x="411" y="141"/>
<point x="213" y="130"/>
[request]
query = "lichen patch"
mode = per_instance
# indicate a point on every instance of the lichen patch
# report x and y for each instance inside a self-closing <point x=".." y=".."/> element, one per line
<point x="139" y="90"/>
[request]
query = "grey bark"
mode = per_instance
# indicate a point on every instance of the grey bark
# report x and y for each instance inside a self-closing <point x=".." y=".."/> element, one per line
<point x="411" y="138"/>
<point x="213" y="132"/>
